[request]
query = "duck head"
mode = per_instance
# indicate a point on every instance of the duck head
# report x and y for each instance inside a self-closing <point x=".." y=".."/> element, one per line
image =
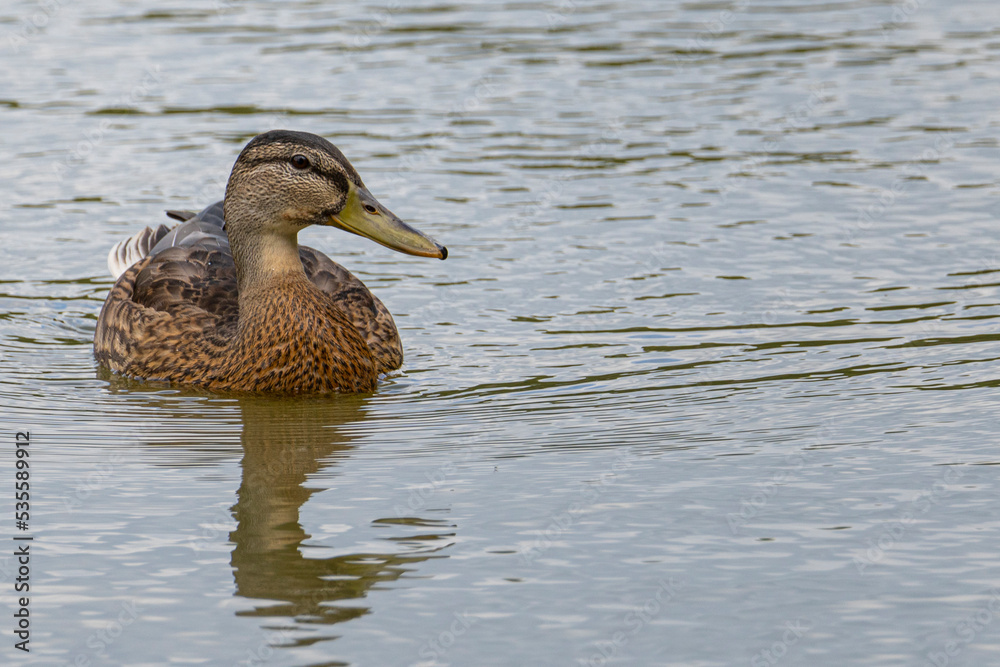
<point x="284" y="181"/>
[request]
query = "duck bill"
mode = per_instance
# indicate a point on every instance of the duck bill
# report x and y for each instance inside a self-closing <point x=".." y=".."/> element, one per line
<point x="365" y="216"/>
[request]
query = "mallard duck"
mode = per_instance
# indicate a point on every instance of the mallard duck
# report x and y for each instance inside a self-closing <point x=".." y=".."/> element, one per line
<point x="228" y="300"/>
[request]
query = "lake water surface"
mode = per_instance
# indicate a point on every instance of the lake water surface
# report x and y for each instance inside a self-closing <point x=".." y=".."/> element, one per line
<point x="708" y="379"/>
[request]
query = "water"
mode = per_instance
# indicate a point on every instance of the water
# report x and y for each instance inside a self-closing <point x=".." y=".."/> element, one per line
<point x="707" y="379"/>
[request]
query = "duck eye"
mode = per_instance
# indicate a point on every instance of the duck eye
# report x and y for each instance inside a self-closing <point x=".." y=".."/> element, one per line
<point x="300" y="162"/>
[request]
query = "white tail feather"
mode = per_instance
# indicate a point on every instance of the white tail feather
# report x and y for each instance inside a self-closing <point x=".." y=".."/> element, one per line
<point x="129" y="251"/>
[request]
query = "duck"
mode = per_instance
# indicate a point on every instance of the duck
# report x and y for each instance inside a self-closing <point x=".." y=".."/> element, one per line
<point x="227" y="300"/>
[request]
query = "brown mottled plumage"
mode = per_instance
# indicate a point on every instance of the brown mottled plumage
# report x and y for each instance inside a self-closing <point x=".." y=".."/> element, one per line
<point x="245" y="308"/>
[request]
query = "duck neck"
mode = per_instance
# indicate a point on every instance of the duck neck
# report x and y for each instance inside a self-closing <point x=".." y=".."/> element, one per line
<point x="264" y="261"/>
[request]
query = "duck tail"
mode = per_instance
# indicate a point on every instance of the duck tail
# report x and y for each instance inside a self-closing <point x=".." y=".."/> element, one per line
<point x="129" y="251"/>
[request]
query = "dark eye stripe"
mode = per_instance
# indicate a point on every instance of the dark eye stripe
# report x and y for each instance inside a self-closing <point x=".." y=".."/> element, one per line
<point x="335" y="176"/>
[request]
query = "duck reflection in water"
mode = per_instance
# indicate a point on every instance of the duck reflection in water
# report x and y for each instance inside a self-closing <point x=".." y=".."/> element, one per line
<point x="284" y="442"/>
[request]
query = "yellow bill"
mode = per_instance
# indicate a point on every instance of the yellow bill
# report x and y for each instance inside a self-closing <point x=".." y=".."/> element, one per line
<point x="365" y="216"/>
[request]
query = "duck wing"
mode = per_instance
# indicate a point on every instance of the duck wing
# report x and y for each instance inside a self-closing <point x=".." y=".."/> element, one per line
<point x="175" y="304"/>
<point x="190" y="268"/>
<point x="204" y="228"/>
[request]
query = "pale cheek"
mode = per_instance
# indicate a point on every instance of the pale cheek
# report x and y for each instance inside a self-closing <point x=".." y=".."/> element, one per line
<point x="292" y="214"/>
<point x="294" y="218"/>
